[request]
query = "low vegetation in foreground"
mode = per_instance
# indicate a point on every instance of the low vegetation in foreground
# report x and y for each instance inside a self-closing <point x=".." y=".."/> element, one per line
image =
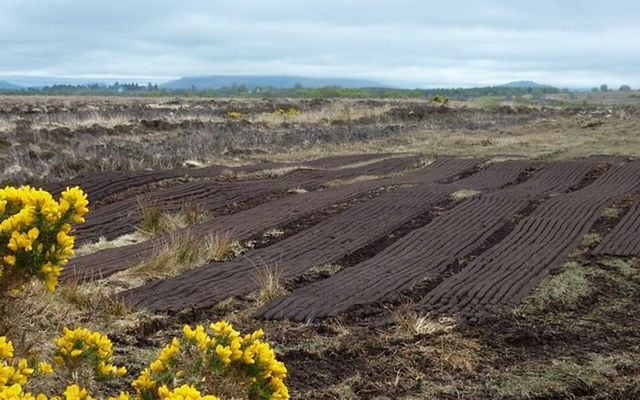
<point x="36" y="243"/>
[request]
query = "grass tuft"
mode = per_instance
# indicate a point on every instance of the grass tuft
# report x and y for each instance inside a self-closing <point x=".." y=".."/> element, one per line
<point x="270" y="284"/>
<point x="409" y="323"/>
<point x="155" y="220"/>
<point x="183" y="251"/>
<point x="463" y="194"/>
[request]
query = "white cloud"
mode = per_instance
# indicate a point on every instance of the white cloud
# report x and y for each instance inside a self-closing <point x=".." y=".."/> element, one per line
<point x="413" y="42"/>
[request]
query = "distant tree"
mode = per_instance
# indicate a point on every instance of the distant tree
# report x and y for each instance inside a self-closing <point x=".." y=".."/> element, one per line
<point x="604" y="88"/>
<point x="625" y="88"/>
<point x="297" y="86"/>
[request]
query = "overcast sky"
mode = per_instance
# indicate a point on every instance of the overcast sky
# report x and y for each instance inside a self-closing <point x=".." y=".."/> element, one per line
<point x="409" y="42"/>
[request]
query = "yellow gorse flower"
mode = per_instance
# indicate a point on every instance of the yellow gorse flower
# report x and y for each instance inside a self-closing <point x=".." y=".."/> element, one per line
<point x="184" y="392"/>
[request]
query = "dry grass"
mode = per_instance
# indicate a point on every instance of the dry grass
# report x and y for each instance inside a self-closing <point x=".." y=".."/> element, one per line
<point x="103" y="244"/>
<point x="6" y="125"/>
<point x="49" y="121"/>
<point x="270" y="283"/>
<point x="325" y="270"/>
<point x="180" y="252"/>
<point x="361" y="178"/>
<point x="155" y="220"/>
<point x="339" y="111"/>
<point x="273" y="233"/>
<point x="453" y="353"/>
<point x="612" y="212"/>
<point x="192" y="213"/>
<point x="111" y="119"/>
<point x="269" y="173"/>
<point x="409" y="323"/>
<point x="463" y="194"/>
<point x="298" y="190"/>
<point x="36" y="316"/>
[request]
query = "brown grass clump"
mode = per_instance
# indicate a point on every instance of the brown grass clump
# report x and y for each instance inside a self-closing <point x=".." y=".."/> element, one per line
<point x="270" y="283"/>
<point x="183" y="251"/>
<point x="453" y="353"/>
<point x="104" y="244"/>
<point x="463" y="194"/>
<point x="155" y="220"/>
<point x="36" y="316"/>
<point x="409" y="323"/>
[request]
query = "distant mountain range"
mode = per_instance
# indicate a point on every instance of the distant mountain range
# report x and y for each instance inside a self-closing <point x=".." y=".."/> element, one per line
<point x="219" y="81"/>
<point x="525" y="85"/>
<point x="254" y="81"/>
<point x="9" y="86"/>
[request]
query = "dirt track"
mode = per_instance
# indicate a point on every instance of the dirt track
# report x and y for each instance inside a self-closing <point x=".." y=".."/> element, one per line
<point x="402" y="233"/>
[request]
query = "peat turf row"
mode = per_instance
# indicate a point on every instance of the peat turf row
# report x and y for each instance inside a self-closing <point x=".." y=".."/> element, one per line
<point x="427" y="252"/>
<point x="326" y="242"/>
<point x="121" y="217"/>
<point x="99" y="185"/>
<point x="504" y="274"/>
<point x="249" y="223"/>
<point x="624" y="239"/>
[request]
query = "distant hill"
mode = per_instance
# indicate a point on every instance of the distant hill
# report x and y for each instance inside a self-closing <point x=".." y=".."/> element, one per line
<point x="253" y="81"/>
<point x="9" y="86"/>
<point x="525" y="85"/>
<point x="41" y="81"/>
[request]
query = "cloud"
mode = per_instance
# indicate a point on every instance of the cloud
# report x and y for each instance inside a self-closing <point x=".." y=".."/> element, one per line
<point x="410" y="42"/>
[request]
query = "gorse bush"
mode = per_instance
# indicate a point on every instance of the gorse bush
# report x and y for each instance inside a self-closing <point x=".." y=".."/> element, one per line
<point x="220" y="360"/>
<point x="237" y="115"/>
<point x="439" y="100"/>
<point x="36" y="242"/>
<point x="34" y="234"/>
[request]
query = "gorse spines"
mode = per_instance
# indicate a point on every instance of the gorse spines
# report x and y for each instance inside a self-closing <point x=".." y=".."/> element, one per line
<point x="35" y="234"/>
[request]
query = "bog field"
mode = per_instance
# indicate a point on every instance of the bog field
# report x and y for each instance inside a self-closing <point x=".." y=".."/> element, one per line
<point x="390" y="249"/>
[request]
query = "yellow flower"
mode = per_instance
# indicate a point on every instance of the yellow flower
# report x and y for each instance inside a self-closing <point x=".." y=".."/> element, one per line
<point x="198" y="336"/>
<point x="144" y="381"/>
<point x="75" y="392"/>
<point x="224" y="353"/>
<point x="6" y="348"/>
<point x="45" y="368"/>
<point x="185" y="392"/>
<point x="121" y="396"/>
<point x="10" y="260"/>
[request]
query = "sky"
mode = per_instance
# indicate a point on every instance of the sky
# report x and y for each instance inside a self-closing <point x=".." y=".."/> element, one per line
<point x="412" y="43"/>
